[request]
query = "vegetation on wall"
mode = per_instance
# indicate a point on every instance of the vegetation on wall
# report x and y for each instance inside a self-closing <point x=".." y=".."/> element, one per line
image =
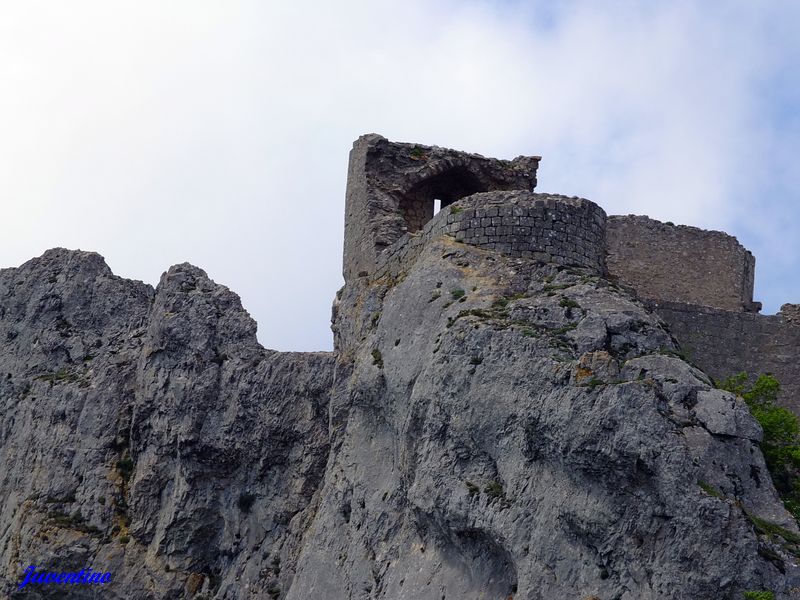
<point x="781" y="443"/>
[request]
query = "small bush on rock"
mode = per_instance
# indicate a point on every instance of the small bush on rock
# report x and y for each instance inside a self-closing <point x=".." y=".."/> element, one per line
<point x="759" y="596"/>
<point x="781" y="443"/>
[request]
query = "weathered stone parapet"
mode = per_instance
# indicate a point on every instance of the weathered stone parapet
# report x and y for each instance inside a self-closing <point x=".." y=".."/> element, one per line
<point x="724" y="342"/>
<point x="391" y="188"/>
<point x="678" y="263"/>
<point x="790" y="312"/>
<point x="544" y="227"/>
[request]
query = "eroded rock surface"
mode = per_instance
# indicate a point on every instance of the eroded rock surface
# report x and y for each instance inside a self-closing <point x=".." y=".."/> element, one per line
<point x="488" y="427"/>
<point x="147" y="433"/>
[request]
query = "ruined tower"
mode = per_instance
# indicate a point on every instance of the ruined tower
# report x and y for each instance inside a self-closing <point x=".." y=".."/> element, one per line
<point x="391" y="189"/>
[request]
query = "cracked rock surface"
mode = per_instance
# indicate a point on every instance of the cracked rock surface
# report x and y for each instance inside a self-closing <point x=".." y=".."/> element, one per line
<point x="487" y="428"/>
<point x="146" y="433"/>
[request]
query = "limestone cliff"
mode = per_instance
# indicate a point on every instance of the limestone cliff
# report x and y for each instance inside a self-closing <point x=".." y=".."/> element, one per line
<point x="146" y="433"/>
<point x="500" y="418"/>
<point x="490" y="427"/>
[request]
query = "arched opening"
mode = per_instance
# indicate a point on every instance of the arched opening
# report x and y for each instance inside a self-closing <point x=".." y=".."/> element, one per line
<point x="418" y="205"/>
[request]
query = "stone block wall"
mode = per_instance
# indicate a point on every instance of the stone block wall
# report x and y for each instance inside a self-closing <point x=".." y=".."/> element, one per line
<point x="724" y="343"/>
<point x="391" y="188"/>
<point x="662" y="261"/>
<point x="548" y="228"/>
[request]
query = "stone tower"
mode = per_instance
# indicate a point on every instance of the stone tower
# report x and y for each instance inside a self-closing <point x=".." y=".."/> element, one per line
<point x="391" y="189"/>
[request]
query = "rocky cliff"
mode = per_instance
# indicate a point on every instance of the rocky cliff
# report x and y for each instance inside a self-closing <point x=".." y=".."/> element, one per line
<point x="489" y="427"/>
<point x="146" y="433"/>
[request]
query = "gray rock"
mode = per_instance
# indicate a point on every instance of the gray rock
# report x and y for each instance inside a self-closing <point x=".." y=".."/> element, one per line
<point x="487" y="427"/>
<point x="147" y="433"/>
<point x="722" y="413"/>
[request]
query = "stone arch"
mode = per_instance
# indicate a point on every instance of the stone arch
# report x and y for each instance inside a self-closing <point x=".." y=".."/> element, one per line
<point x="391" y="188"/>
<point x="416" y="204"/>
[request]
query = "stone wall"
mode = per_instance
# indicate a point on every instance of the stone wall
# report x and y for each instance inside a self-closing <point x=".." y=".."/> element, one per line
<point x="662" y="261"/>
<point x="723" y="343"/>
<point x="391" y="188"/>
<point x="549" y="228"/>
<point x="700" y="282"/>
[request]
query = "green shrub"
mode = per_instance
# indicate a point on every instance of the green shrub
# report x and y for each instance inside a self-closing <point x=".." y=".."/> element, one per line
<point x="457" y="293"/>
<point x="759" y="596"/>
<point x="773" y="530"/>
<point x="60" y="376"/>
<point x="418" y="153"/>
<point x="125" y="467"/>
<point x="494" y="489"/>
<point x="710" y="489"/>
<point x="594" y="382"/>
<point x="568" y="303"/>
<point x="377" y="358"/>
<point x="500" y="303"/>
<point x="781" y="443"/>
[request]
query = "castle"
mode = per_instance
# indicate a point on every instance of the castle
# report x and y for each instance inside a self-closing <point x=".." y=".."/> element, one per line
<point x="699" y="282"/>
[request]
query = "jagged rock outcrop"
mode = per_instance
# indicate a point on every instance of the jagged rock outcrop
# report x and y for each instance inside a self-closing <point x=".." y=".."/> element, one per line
<point x="488" y="427"/>
<point x="518" y="430"/>
<point x="147" y="433"/>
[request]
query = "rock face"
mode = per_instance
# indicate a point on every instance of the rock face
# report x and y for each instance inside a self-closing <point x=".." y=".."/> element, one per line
<point x="498" y="421"/>
<point x="489" y="427"/>
<point x="151" y="417"/>
<point x="514" y="430"/>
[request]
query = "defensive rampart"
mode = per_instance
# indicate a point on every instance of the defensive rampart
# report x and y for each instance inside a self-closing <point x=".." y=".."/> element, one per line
<point x="678" y="263"/>
<point x="723" y="343"/>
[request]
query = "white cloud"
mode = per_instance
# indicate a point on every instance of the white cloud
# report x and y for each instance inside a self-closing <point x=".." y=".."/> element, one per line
<point x="218" y="132"/>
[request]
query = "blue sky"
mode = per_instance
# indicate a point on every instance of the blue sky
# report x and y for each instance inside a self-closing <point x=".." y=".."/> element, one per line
<point x="218" y="133"/>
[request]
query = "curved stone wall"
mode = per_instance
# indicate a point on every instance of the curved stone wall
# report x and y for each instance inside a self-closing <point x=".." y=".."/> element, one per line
<point x="392" y="187"/>
<point x="544" y="227"/>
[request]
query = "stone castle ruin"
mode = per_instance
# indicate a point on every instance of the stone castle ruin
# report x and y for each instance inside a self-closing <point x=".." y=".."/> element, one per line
<point x="699" y="282"/>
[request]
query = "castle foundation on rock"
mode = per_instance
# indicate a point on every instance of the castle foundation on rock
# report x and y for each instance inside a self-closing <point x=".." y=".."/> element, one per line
<point x="505" y="414"/>
<point x="699" y="282"/>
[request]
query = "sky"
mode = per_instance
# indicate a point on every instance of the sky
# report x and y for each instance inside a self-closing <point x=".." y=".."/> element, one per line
<point x="218" y="132"/>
